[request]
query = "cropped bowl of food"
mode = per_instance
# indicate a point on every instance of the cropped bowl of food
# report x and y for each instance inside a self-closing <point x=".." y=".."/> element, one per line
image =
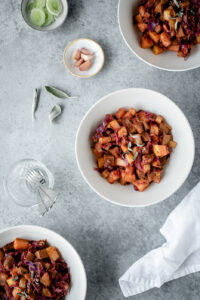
<point x="163" y="33"/>
<point x="131" y="150"/>
<point x="36" y="263"/>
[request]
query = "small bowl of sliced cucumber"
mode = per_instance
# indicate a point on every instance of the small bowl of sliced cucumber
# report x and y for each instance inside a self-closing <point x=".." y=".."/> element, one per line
<point x="44" y="15"/>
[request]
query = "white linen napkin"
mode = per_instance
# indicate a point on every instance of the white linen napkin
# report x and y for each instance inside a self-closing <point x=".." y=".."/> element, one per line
<point x="179" y="256"/>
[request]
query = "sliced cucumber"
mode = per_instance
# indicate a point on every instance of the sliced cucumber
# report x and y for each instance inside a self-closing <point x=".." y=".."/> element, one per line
<point x="54" y="7"/>
<point x="30" y="6"/>
<point x="49" y="18"/>
<point x="40" y="3"/>
<point x="37" y="16"/>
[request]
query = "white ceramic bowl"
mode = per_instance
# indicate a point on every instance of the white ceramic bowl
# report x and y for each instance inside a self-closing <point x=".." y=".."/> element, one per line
<point x="69" y="254"/>
<point x="97" y="62"/>
<point x="176" y="171"/>
<point x="167" y="60"/>
<point x="58" y="22"/>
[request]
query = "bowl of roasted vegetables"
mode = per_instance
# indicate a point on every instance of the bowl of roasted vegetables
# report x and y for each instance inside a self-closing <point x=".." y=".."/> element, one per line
<point x="163" y="33"/>
<point x="36" y="263"/>
<point x="131" y="149"/>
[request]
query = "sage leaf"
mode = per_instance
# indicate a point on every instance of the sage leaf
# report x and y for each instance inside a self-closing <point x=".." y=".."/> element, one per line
<point x="57" y="93"/>
<point x="35" y="103"/>
<point x="176" y="3"/>
<point x="55" y="112"/>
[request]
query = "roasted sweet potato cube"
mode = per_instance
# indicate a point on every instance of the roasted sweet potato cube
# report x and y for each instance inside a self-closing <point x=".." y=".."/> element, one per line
<point x="53" y="253"/>
<point x="22" y="270"/>
<point x="174" y="48"/>
<point x="100" y="162"/>
<point x="139" y="127"/>
<point x="1" y="254"/>
<point x="45" y="279"/>
<point x="113" y="176"/>
<point x="158" y="28"/>
<point x="122" y="132"/>
<point x="128" y="175"/>
<point x="180" y="33"/>
<point x="120" y="113"/>
<point x="41" y="254"/>
<point x="108" y="161"/>
<point x="129" y="158"/>
<point x="21" y="244"/>
<point x="142" y="26"/>
<point x="172" y="144"/>
<point x="105" y="140"/>
<point x="142" y="10"/>
<point x="46" y="292"/>
<point x="138" y="19"/>
<point x="146" y="168"/>
<point x="146" y="42"/>
<point x="3" y="278"/>
<point x="132" y="111"/>
<point x="147" y="158"/>
<point x="30" y="256"/>
<point x="166" y="139"/>
<point x="105" y="173"/>
<point x="146" y="125"/>
<point x="122" y="181"/>
<point x="156" y="164"/>
<point x="124" y="148"/>
<point x="120" y="162"/>
<point x="159" y="119"/>
<point x="165" y="40"/>
<point x="172" y="23"/>
<point x="157" y="50"/>
<point x="141" y="184"/>
<point x="114" y="151"/>
<point x="160" y="150"/>
<point x="154" y="36"/>
<point x="165" y="128"/>
<point x="154" y="130"/>
<point x="114" y="125"/>
<point x="10" y="281"/>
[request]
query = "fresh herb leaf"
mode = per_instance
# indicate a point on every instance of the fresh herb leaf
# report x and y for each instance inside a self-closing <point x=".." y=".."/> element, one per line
<point x="143" y="150"/>
<point x="135" y="156"/>
<point x="23" y="294"/>
<point x="35" y="103"/>
<point x="32" y="274"/>
<point x="191" y="10"/>
<point x="15" y="278"/>
<point x="176" y="25"/>
<point x="123" y="155"/>
<point x="57" y="93"/>
<point x="129" y="146"/>
<point x="55" y="112"/>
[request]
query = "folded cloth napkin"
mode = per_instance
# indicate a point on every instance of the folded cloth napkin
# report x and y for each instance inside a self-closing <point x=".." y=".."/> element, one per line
<point x="177" y="257"/>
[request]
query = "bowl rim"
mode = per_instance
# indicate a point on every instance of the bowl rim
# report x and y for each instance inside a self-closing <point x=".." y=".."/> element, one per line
<point x="43" y="29"/>
<point x="54" y="233"/>
<point x="73" y="42"/>
<point x="137" y="55"/>
<point x="93" y="188"/>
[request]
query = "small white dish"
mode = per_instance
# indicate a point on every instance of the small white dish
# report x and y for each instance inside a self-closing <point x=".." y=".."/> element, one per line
<point x="97" y="62"/>
<point x="69" y="254"/>
<point x="166" y="61"/>
<point x="178" y="167"/>
<point x="57" y="23"/>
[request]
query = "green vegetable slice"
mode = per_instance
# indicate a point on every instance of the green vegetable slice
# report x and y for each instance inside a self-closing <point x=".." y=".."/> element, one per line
<point x="49" y="18"/>
<point x="30" y="6"/>
<point x="40" y="3"/>
<point x="37" y="16"/>
<point x="54" y="7"/>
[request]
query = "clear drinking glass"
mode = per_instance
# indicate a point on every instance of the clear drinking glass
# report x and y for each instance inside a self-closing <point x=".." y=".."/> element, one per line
<point x="30" y="183"/>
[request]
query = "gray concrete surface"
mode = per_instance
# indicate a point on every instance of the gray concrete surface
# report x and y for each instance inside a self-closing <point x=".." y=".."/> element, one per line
<point x="109" y="238"/>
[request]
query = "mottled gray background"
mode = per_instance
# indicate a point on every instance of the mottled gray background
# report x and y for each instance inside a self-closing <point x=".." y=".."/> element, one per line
<point x="109" y="238"/>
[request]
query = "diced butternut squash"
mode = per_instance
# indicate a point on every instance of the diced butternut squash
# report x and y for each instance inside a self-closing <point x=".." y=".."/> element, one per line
<point x="46" y="292"/>
<point x="142" y="10"/>
<point x="41" y="254"/>
<point x="129" y="158"/>
<point x="165" y="40"/>
<point x="10" y="281"/>
<point x="22" y="270"/>
<point x="160" y="150"/>
<point x="158" y="28"/>
<point x="53" y="253"/>
<point x="154" y="36"/>
<point x="122" y="132"/>
<point x="21" y="244"/>
<point x="128" y="175"/>
<point x="124" y="148"/>
<point x="173" y="48"/>
<point x="146" y="42"/>
<point x="138" y="19"/>
<point x="120" y="162"/>
<point x="113" y="176"/>
<point x="100" y="162"/>
<point x="157" y="50"/>
<point x="180" y="33"/>
<point x="8" y="262"/>
<point x="166" y="139"/>
<point x="104" y="140"/>
<point x="114" y="151"/>
<point x="45" y="279"/>
<point x="159" y="119"/>
<point x="114" y="125"/>
<point x="105" y="173"/>
<point x="198" y="38"/>
<point x="132" y="111"/>
<point x="147" y="168"/>
<point x="154" y="130"/>
<point x="120" y="113"/>
<point x="142" y="26"/>
<point x="172" y="144"/>
<point x="147" y="158"/>
<point x="141" y="184"/>
<point x="1" y="254"/>
<point x="108" y="161"/>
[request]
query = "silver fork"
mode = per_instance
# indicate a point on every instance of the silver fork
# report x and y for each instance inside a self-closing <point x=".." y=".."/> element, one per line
<point x="46" y="196"/>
